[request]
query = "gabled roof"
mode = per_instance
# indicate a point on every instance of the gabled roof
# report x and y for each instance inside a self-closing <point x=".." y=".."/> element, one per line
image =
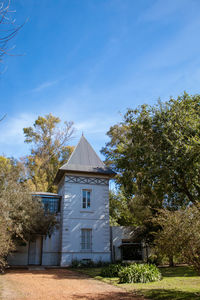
<point x="84" y="160"/>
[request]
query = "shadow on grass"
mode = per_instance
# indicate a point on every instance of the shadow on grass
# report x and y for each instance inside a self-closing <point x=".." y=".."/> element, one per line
<point x="165" y="294"/>
<point x="106" y="296"/>
<point x="178" y="272"/>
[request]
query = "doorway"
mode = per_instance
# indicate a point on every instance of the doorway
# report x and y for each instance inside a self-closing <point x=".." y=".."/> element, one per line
<point x="35" y="251"/>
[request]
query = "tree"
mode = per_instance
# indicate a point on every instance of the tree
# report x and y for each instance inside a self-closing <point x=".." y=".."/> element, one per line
<point x="21" y="215"/>
<point x="156" y="153"/>
<point x="8" y="28"/>
<point x="119" y="210"/>
<point x="6" y="244"/>
<point x="49" y="151"/>
<point x="179" y="234"/>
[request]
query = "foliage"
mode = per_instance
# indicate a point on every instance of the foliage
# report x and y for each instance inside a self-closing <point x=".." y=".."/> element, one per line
<point x="156" y="153"/>
<point x="132" y="272"/>
<point x="180" y="234"/>
<point x="111" y="270"/>
<point x="48" y="152"/>
<point x="139" y="273"/>
<point x="6" y="244"/>
<point x="120" y="213"/>
<point x="87" y="264"/>
<point x="21" y="215"/>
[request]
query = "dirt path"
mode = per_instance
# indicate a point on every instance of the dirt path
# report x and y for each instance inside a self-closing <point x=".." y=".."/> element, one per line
<point x="57" y="284"/>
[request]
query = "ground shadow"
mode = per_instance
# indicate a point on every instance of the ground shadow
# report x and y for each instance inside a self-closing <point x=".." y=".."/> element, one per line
<point x="178" y="272"/>
<point x="107" y="296"/>
<point x="165" y="294"/>
<point x="58" y="273"/>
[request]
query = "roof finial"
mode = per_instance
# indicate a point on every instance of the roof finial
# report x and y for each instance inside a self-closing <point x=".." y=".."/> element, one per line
<point x="82" y="133"/>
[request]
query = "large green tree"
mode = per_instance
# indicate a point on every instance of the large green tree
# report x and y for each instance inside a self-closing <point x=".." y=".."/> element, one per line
<point x="156" y="152"/>
<point x="48" y="152"/>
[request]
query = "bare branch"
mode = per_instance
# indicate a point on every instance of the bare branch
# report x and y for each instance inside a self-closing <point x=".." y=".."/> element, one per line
<point x="8" y="28"/>
<point x="3" y="118"/>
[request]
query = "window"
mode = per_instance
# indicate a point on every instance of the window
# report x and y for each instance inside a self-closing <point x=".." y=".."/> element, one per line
<point x="131" y="250"/>
<point x="51" y="205"/>
<point x="86" y="239"/>
<point x="86" y="195"/>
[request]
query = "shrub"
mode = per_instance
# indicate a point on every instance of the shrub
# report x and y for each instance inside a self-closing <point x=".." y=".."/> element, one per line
<point x="87" y="263"/>
<point x="111" y="270"/>
<point x="139" y="273"/>
<point x="75" y="263"/>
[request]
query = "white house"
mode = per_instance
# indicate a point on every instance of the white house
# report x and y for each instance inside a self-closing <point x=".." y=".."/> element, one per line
<point x="82" y="204"/>
<point x="82" y="207"/>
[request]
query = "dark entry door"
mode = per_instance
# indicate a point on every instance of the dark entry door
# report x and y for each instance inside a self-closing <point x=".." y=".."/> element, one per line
<point x="132" y="252"/>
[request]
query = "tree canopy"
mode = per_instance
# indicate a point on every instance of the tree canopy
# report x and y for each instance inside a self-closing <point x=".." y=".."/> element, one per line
<point x="21" y="215"/>
<point x="156" y="152"/>
<point x="179" y="234"/>
<point x="120" y="213"/>
<point x="48" y="152"/>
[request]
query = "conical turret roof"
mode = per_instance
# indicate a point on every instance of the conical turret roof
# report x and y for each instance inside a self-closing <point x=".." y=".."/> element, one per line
<point x="84" y="160"/>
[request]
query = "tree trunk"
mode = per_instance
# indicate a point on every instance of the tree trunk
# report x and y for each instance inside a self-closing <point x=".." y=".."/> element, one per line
<point x="171" y="261"/>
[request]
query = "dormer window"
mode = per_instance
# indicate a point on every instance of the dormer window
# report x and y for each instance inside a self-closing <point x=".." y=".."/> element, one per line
<point x="86" y="198"/>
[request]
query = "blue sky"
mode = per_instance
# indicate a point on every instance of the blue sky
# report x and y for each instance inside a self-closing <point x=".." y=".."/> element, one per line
<point x="89" y="60"/>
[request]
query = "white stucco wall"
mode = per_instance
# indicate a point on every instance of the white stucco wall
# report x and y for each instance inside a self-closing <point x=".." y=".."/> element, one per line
<point x="75" y="218"/>
<point x="51" y="249"/>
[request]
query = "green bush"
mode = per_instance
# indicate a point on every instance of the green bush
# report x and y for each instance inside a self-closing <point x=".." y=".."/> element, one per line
<point x="87" y="263"/>
<point x="139" y="273"/>
<point x="111" y="270"/>
<point x="75" y="263"/>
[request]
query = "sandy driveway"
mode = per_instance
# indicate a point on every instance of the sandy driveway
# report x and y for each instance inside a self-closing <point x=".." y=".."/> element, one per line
<point x="57" y="284"/>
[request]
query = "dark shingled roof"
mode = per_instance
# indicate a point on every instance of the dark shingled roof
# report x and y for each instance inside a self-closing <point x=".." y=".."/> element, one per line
<point x="84" y="160"/>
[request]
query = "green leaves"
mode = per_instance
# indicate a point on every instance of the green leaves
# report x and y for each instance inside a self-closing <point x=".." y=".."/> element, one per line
<point x="179" y="234"/>
<point x="49" y="151"/>
<point x="142" y="273"/>
<point x="156" y="153"/>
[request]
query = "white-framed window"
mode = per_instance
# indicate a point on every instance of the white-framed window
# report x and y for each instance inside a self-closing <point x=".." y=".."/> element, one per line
<point x="86" y="198"/>
<point x="86" y="239"/>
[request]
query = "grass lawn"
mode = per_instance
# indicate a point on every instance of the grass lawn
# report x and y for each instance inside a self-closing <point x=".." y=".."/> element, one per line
<point x="177" y="283"/>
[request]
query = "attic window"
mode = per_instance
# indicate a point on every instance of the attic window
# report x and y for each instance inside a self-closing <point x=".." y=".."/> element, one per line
<point x="86" y="197"/>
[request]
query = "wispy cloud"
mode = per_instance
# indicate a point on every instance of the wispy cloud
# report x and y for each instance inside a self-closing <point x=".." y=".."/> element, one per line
<point x="160" y="10"/>
<point x="44" y="86"/>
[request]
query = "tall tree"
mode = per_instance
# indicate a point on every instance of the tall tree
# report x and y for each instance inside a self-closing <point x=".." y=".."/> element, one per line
<point x="48" y="152"/>
<point x="156" y="153"/>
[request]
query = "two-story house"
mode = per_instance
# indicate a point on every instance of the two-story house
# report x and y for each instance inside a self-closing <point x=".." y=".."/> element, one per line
<point x="82" y="205"/>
